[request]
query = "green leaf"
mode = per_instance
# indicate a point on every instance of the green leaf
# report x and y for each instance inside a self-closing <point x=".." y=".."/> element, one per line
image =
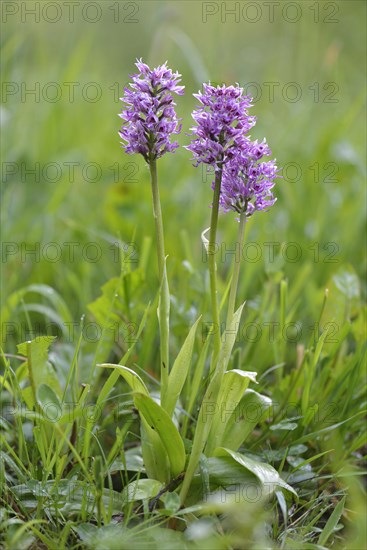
<point x="180" y="369"/>
<point x="229" y="337"/>
<point x="159" y="422"/>
<point x="198" y="375"/>
<point x="134" y="381"/>
<point x="283" y="506"/>
<point x="154" y="454"/>
<point x="28" y="397"/>
<point x="265" y="473"/>
<point x="233" y="386"/>
<point x="141" y="489"/>
<point x="252" y="409"/>
<point x="5" y="384"/>
<point x="119" y="537"/>
<point x="12" y="466"/>
<point x="331" y="522"/>
<point x="284" y="425"/>
<point x="40" y="371"/>
<point x="49" y="403"/>
<point x="171" y="503"/>
<point x="224" y="471"/>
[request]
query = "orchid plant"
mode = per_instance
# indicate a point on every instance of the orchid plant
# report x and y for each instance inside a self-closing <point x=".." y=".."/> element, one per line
<point x="243" y="183"/>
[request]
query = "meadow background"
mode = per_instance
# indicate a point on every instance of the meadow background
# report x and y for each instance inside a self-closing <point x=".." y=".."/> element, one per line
<point x="72" y="196"/>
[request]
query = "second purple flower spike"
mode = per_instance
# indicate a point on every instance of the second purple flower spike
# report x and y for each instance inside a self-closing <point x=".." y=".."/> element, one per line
<point x="247" y="183"/>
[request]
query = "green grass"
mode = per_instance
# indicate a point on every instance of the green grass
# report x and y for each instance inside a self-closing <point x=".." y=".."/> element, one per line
<point x="64" y="482"/>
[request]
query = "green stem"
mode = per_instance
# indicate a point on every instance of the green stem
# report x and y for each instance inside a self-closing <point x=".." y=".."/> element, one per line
<point x="164" y="292"/>
<point x="236" y="270"/>
<point x="157" y="214"/>
<point x="212" y="265"/>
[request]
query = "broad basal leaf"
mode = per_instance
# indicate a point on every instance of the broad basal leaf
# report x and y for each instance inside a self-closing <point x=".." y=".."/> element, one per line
<point x="233" y="386"/>
<point x="154" y="454"/>
<point x="252" y="409"/>
<point x="265" y="473"/>
<point x="180" y="369"/>
<point x="159" y="422"/>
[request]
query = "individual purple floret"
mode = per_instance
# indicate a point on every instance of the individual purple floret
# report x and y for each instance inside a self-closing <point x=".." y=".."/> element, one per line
<point x="150" y="117"/>
<point x="246" y="182"/>
<point x="222" y="122"/>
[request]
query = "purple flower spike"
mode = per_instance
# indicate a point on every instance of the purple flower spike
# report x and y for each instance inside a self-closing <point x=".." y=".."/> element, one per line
<point x="222" y="122"/>
<point x="247" y="183"/>
<point x="150" y="117"/>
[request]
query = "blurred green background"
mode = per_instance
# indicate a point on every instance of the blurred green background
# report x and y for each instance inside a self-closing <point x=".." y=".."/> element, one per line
<point x="72" y="201"/>
<point x="303" y="62"/>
